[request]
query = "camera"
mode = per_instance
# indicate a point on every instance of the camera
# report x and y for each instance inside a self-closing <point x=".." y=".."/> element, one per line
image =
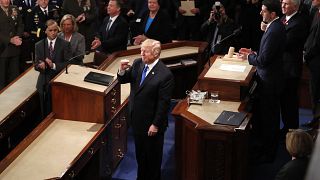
<point x="217" y="15"/>
<point x="217" y="6"/>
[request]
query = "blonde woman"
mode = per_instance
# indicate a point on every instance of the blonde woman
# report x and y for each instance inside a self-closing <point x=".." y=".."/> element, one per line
<point x="69" y="32"/>
<point x="299" y="144"/>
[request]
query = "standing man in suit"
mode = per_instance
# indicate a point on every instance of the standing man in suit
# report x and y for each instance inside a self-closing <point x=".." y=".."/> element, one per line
<point x="113" y="33"/>
<point x="35" y="25"/>
<point x="312" y="58"/>
<point x="25" y="8"/>
<point x="51" y="56"/>
<point x="151" y="85"/>
<point x="296" y="32"/>
<point x="36" y="21"/>
<point x="11" y="29"/>
<point x="269" y="65"/>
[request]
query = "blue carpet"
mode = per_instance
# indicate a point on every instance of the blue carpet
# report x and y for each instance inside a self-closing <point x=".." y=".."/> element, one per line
<point x="128" y="167"/>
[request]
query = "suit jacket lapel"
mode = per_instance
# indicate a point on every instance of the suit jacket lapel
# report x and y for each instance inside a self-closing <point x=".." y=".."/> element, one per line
<point x="114" y="24"/>
<point x="45" y="48"/>
<point x="155" y="19"/>
<point x="56" y="49"/>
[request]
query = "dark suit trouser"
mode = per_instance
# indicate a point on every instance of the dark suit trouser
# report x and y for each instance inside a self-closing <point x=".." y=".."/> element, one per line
<point x="149" y="151"/>
<point x="45" y="101"/>
<point x="314" y="67"/>
<point x="289" y="100"/>
<point x="9" y="70"/>
<point x="267" y="117"/>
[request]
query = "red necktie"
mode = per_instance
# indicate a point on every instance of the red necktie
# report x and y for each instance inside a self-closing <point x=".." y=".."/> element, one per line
<point x="284" y="21"/>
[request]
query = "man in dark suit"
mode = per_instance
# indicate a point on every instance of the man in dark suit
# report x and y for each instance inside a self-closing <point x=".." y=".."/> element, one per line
<point x="36" y="21"/>
<point x="27" y="47"/>
<point x="312" y="57"/>
<point x="151" y="84"/>
<point x="113" y="33"/>
<point x="51" y="56"/>
<point x="268" y="62"/>
<point x="296" y="32"/>
<point x="11" y="29"/>
<point x="35" y="26"/>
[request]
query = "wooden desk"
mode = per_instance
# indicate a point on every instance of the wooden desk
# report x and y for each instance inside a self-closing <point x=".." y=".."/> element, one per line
<point x="73" y="98"/>
<point x="18" y="108"/>
<point x="184" y="59"/>
<point x="227" y="78"/>
<point x="52" y="152"/>
<point x="205" y="150"/>
<point x="76" y="135"/>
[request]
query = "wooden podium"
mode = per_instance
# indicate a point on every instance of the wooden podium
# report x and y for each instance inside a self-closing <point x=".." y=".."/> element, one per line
<point x="76" y="139"/>
<point x="232" y="78"/>
<point x="205" y="150"/>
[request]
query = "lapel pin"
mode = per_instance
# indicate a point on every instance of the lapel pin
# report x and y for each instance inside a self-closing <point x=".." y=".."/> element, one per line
<point x="152" y="72"/>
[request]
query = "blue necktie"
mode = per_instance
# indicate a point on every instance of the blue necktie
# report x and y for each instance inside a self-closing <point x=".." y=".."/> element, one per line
<point x="144" y="74"/>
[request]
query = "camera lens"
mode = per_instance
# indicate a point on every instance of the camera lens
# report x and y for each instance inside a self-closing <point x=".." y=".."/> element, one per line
<point x="217" y="15"/>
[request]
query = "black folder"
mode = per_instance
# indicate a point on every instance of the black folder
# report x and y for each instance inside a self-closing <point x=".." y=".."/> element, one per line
<point x="231" y="118"/>
<point x="98" y="78"/>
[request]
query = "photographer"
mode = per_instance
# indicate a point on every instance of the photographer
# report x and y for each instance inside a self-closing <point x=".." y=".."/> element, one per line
<point x="217" y="27"/>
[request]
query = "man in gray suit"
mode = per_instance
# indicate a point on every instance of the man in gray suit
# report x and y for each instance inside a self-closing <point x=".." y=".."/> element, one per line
<point x="51" y="56"/>
<point x="151" y="85"/>
<point x="11" y="28"/>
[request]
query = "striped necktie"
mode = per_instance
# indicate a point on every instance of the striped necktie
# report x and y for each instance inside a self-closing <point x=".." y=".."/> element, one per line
<point x="108" y="25"/>
<point x="51" y="50"/>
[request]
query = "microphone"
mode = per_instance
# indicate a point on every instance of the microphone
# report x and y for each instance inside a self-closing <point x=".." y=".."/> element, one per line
<point x="237" y="31"/>
<point x="234" y="33"/>
<point x="75" y="57"/>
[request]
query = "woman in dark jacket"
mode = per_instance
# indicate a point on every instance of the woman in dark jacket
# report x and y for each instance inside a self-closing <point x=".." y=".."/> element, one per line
<point x="155" y="24"/>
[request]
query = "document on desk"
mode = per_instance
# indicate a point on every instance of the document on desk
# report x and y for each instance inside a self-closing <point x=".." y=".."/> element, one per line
<point x="187" y="6"/>
<point x="230" y="118"/>
<point x="232" y="67"/>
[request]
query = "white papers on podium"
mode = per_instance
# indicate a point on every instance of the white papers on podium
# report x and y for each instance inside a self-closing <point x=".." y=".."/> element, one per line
<point x="232" y="67"/>
<point x="187" y="6"/>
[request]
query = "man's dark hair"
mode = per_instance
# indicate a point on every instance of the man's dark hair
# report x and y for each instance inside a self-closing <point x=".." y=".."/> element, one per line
<point x="119" y="3"/>
<point x="273" y="6"/>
